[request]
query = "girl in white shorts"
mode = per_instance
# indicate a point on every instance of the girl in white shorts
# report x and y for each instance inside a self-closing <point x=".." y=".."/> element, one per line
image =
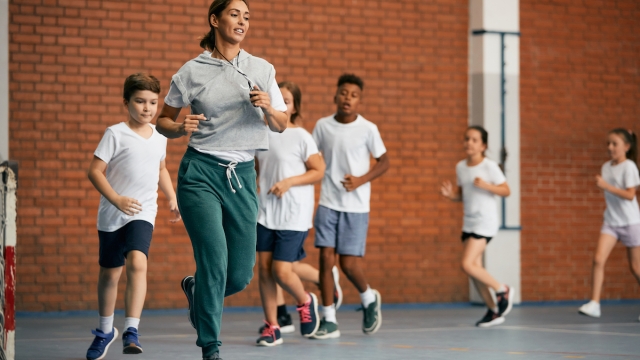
<point x="619" y="180"/>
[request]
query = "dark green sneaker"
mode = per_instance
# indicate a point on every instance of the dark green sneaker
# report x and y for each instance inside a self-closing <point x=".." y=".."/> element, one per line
<point x="372" y="318"/>
<point x="327" y="330"/>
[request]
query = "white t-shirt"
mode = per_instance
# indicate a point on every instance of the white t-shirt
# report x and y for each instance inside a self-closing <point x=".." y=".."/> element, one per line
<point x="621" y="212"/>
<point x="480" y="206"/>
<point x="174" y="99"/>
<point x="286" y="157"/>
<point x="347" y="149"/>
<point x="133" y="170"/>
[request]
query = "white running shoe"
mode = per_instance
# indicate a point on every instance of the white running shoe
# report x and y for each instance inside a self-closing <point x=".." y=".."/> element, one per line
<point x="337" y="292"/>
<point x="591" y="308"/>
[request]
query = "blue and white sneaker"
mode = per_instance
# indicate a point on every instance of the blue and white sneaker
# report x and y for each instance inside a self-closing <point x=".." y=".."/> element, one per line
<point x="187" y="286"/>
<point x="100" y="344"/>
<point x="130" y="342"/>
<point x="309" y="319"/>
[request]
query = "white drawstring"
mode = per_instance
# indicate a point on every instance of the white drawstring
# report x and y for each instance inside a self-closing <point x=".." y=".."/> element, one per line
<point x="231" y="168"/>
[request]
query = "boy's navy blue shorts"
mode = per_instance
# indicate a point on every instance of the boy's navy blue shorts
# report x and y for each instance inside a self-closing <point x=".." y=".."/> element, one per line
<point x="115" y="245"/>
<point x="466" y="235"/>
<point x="286" y="245"/>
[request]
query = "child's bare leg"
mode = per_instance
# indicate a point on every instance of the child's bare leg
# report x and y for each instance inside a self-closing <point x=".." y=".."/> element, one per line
<point x="306" y="272"/>
<point x="351" y="267"/>
<point x="472" y="251"/>
<point x="606" y="243"/>
<point x="327" y="261"/>
<point x="634" y="261"/>
<point x="289" y="281"/>
<point x="267" y="285"/>
<point x="108" y="290"/>
<point x="279" y="296"/>
<point x="136" y="284"/>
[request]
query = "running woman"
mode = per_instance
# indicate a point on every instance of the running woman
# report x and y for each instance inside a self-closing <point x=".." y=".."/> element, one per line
<point x="479" y="182"/>
<point x="231" y="93"/>
<point x="619" y="180"/>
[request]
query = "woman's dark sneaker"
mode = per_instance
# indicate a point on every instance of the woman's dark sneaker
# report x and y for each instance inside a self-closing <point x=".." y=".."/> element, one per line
<point x="327" y="330"/>
<point x="337" y="292"/>
<point x="130" y="342"/>
<point x="187" y="285"/>
<point x="270" y="336"/>
<point x="505" y="301"/>
<point x="285" y="323"/>
<point x="215" y="356"/>
<point x="372" y="317"/>
<point x="309" y="319"/>
<point x="100" y="345"/>
<point x="490" y="319"/>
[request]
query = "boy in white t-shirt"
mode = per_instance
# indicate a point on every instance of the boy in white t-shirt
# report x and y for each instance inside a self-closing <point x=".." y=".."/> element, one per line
<point x="619" y="179"/>
<point x="132" y="154"/>
<point x="347" y="141"/>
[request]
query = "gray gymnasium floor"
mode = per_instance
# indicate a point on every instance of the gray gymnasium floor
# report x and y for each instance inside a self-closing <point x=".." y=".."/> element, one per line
<point x="530" y="332"/>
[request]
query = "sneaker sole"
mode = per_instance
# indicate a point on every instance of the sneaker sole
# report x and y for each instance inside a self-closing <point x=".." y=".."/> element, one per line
<point x="494" y="322"/>
<point x="288" y="329"/>
<point x="378" y="323"/>
<point x="132" y="349"/>
<point x="115" y="336"/>
<point x="184" y="289"/>
<point x="315" y="311"/>
<point x="331" y="335"/>
<point x="264" y="343"/>
<point x="510" y="303"/>
<point x="336" y="283"/>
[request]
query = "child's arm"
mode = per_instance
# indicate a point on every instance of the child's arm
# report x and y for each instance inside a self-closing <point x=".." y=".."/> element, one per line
<point x="125" y="204"/>
<point x="167" y="188"/>
<point x="450" y="192"/>
<point x="627" y="194"/>
<point x="381" y="166"/>
<point x="315" y="171"/>
<point x="500" y="190"/>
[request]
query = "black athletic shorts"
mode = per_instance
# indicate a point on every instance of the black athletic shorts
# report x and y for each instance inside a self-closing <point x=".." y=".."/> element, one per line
<point x="286" y="245"/>
<point x="466" y="235"/>
<point x="115" y="245"/>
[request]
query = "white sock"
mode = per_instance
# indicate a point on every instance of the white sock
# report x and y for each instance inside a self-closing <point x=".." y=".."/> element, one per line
<point x="367" y="297"/>
<point x="329" y="313"/>
<point x="131" y="322"/>
<point x="106" y="324"/>
<point x="495" y="309"/>
<point x="502" y="289"/>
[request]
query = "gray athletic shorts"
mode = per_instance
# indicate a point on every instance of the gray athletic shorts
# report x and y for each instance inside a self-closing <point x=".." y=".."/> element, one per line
<point x="628" y="235"/>
<point x="344" y="231"/>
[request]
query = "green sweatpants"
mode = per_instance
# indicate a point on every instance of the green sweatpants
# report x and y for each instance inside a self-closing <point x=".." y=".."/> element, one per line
<point x="222" y="226"/>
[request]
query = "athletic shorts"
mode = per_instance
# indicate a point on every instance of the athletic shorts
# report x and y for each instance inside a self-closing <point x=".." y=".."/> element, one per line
<point x="115" y="245"/>
<point x="466" y="235"/>
<point x="344" y="231"/>
<point x="286" y="245"/>
<point x="628" y="235"/>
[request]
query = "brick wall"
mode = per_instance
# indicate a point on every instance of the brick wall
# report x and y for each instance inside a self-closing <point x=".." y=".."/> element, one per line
<point x="69" y="58"/>
<point x="580" y="77"/>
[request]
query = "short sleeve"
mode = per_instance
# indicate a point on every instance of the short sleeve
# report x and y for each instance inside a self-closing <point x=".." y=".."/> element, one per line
<point x="309" y="146"/>
<point x="374" y="143"/>
<point x="277" y="102"/>
<point x="317" y="135"/>
<point x="177" y="96"/>
<point x="631" y="176"/>
<point x="458" y="180"/>
<point x="497" y="176"/>
<point x="107" y="147"/>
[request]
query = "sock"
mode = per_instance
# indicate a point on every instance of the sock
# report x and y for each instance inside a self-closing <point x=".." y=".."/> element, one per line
<point x="495" y="309"/>
<point x="367" y="297"/>
<point x="502" y="289"/>
<point x="329" y="313"/>
<point x="131" y="322"/>
<point x="282" y="310"/>
<point x="106" y="324"/>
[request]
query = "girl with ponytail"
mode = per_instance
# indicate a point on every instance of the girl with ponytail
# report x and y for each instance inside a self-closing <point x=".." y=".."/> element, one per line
<point x="619" y="180"/>
<point x="230" y="93"/>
